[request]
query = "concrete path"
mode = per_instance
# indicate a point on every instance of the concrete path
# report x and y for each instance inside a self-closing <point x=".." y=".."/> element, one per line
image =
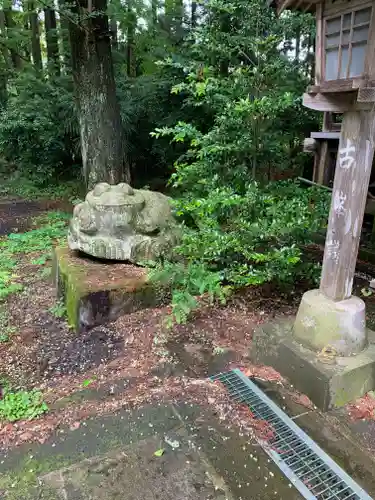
<point x="114" y="457"/>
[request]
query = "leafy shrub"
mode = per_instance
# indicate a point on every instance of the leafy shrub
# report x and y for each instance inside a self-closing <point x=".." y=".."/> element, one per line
<point x="39" y="128"/>
<point x="21" y="405"/>
<point x="188" y="281"/>
<point x="235" y="240"/>
<point x="17" y="183"/>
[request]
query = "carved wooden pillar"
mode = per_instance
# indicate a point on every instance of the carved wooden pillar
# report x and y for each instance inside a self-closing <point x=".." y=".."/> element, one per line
<point x="353" y="170"/>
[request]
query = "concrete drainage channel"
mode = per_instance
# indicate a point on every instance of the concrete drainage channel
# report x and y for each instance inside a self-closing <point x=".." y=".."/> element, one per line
<point x="301" y="460"/>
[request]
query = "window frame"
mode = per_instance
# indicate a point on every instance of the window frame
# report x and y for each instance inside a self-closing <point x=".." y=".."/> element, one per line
<point x="340" y="13"/>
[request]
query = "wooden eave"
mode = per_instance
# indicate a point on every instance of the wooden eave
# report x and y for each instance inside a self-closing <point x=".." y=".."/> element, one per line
<point x="301" y="5"/>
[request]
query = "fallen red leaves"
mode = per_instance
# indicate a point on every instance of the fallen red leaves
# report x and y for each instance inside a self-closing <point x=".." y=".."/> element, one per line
<point x="362" y="409"/>
<point x="263" y="430"/>
<point x="265" y="373"/>
<point x="302" y="400"/>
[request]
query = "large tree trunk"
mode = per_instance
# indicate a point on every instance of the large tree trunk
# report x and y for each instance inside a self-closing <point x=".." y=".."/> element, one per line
<point x="154" y="12"/>
<point x="298" y="44"/>
<point x="35" y="37"/>
<point x="13" y="39"/>
<point x="131" y="21"/>
<point x="26" y="26"/>
<point x="4" y="46"/>
<point x="102" y="139"/>
<point x="64" y="35"/>
<point x="5" y="63"/>
<point x="52" y="41"/>
<point x="193" y="14"/>
<point x="174" y="14"/>
<point x="179" y="13"/>
<point x="114" y="33"/>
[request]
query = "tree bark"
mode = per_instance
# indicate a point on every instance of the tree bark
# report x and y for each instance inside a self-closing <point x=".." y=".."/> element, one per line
<point x="5" y="62"/>
<point x="12" y="37"/>
<point x="26" y="43"/>
<point x="114" y="33"/>
<point x="179" y="6"/>
<point x="154" y="12"/>
<point x="174" y="15"/>
<point x="35" y="36"/>
<point x="193" y="14"/>
<point x="4" y="47"/>
<point x="131" y="20"/>
<point x="102" y="138"/>
<point x="52" y="42"/>
<point x="298" y="44"/>
<point x="64" y="35"/>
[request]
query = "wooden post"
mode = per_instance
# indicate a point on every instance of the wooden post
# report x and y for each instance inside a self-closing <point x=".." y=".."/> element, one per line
<point x="353" y="170"/>
<point x="323" y="162"/>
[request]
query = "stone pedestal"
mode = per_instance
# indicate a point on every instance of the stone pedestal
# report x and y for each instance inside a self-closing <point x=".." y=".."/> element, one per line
<point x="329" y="381"/>
<point x="322" y="323"/>
<point x="95" y="292"/>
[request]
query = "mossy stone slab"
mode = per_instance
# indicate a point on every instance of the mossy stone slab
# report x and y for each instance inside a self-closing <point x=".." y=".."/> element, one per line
<point x="96" y="292"/>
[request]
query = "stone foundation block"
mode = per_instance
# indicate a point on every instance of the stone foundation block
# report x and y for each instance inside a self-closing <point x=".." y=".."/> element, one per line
<point x="323" y="323"/>
<point x="96" y="292"/>
<point x="328" y="382"/>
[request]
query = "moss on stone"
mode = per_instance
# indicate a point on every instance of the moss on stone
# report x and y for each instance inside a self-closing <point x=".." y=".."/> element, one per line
<point x="105" y="290"/>
<point x="23" y="482"/>
<point x="68" y="281"/>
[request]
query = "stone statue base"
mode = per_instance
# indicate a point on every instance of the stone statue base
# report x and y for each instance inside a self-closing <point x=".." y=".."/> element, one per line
<point x="329" y="381"/>
<point x="95" y="293"/>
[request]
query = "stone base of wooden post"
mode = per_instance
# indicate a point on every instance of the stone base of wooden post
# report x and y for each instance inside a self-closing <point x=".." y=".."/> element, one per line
<point x="329" y="381"/>
<point x="326" y="325"/>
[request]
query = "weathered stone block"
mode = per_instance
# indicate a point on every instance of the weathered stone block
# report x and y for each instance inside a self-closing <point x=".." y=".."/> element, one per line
<point x="328" y="382"/>
<point x="95" y="292"/>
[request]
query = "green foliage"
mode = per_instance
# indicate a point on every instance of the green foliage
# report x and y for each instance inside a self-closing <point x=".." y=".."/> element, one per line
<point x="88" y="381"/>
<point x="58" y="309"/>
<point x="217" y="109"/>
<point x="30" y="189"/>
<point x="233" y="240"/>
<point x="188" y="281"/>
<point x="240" y="227"/>
<point x="258" y="120"/>
<point x="6" y="330"/>
<point x="41" y="260"/>
<point x="21" y="405"/>
<point x="39" y="128"/>
<point x="159" y="453"/>
<point x="7" y="276"/>
<point x="255" y="237"/>
<point x="51" y="230"/>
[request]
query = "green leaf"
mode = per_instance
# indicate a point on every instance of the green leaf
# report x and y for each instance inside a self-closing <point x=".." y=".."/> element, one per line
<point x="159" y="453"/>
<point x="87" y="382"/>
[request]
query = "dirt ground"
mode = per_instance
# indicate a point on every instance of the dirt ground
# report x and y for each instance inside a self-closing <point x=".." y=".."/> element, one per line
<point x="137" y="361"/>
<point x="136" y="350"/>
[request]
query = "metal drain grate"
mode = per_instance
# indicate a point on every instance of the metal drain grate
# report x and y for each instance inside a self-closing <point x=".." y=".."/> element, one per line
<point x="305" y="464"/>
